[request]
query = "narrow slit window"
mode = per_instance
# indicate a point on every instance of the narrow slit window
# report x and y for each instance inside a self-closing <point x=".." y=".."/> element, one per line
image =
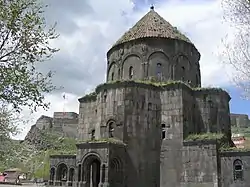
<point x="163" y="131"/>
<point x="131" y="72"/>
<point x="112" y="76"/>
<point x="159" y="70"/>
<point x="92" y="134"/>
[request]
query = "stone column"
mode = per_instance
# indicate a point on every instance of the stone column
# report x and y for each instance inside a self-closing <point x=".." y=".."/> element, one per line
<point x="104" y="183"/>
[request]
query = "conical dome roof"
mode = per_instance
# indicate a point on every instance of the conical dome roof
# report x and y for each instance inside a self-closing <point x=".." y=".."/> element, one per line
<point x="152" y="25"/>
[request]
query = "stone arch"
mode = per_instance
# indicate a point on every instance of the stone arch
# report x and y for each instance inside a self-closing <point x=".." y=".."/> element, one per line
<point x="116" y="171"/>
<point x="181" y="68"/>
<point x="91" y="170"/>
<point x="112" y="68"/>
<point x="111" y="128"/>
<point x="134" y="61"/>
<point x="61" y="172"/>
<point x="159" y="66"/>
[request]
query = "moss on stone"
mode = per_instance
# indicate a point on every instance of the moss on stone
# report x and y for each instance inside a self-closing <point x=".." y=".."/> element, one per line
<point x="234" y="149"/>
<point x="152" y="84"/>
<point x="139" y="83"/>
<point x="89" y="97"/>
<point x="205" y="136"/>
<point x="103" y="140"/>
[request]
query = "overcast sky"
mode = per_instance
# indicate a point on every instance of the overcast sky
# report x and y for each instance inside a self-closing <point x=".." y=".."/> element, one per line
<point x="88" y="28"/>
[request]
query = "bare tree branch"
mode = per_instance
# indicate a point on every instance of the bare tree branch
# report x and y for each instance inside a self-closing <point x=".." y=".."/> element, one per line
<point x="237" y="52"/>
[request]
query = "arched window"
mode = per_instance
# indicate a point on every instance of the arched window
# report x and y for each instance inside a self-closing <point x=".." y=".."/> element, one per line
<point x="131" y="72"/>
<point x="163" y="131"/>
<point x="238" y="170"/>
<point x="111" y="129"/>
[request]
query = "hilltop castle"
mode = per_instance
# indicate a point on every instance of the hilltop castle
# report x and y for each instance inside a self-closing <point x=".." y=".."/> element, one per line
<point x="151" y="124"/>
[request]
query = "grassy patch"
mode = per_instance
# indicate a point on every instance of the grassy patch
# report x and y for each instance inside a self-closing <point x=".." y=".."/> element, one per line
<point x="205" y="136"/>
<point x="89" y="97"/>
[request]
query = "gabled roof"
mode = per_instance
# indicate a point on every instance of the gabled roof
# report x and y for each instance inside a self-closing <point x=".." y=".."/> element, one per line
<point x="152" y="25"/>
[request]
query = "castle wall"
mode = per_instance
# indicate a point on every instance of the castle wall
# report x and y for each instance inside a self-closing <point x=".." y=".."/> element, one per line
<point x="155" y="58"/>
<point x="240" y="120"/>
<point x="44" y="122"/>
<point x="227" y="169"/>
<point x="65" y="123"/>
<point x="172" y="117"/>
<point x="200" y="164"/>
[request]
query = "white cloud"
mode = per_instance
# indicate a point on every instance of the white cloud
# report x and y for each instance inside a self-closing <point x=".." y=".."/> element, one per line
<point x="95" y="32"/>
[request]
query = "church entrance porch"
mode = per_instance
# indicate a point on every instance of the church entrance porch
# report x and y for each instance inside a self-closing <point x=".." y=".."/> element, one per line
<point x="92" y="171"/>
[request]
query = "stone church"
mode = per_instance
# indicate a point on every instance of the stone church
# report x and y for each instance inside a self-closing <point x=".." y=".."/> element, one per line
<point x="151" y="124"/>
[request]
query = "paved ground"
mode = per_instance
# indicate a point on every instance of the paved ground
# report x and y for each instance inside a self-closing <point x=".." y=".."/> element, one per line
<point x="24" y="185"/>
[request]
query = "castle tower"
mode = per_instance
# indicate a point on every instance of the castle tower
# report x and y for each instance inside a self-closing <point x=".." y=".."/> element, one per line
<point x="154" y="49"/>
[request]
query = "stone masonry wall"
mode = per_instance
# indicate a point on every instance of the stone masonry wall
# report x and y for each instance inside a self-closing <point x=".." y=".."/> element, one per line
<point x="135" y="112"/>
<point x="178" y="61"/>
<point x="172" y="117"/>
<point x="199" y="164"/>
<point x="227" y="168"/>
<point x="212" y="111"/>
<point x="44" y="122"/>
<point x="142" y="135"/>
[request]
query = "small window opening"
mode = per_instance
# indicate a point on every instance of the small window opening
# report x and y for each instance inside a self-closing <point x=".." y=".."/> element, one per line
<point x="183" y="73"/>
<point x="92" y="134"/>
<point x="159" y="71"/>
<point x="105" y="96"/>
<point x="238" y="170"/>
<point x="163" y="131"/>
<point x="119" y="73"/>
<point x="149" y="106"/>
<point x="112" y="76"/>
<point x="95" y="111"/>
<point x="131" y="72"/>
<point x="111" y="129"/>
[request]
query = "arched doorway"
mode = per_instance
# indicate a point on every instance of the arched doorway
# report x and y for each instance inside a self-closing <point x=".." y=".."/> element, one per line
<point x="92" y="171"/>
<point x="62" y="172"/>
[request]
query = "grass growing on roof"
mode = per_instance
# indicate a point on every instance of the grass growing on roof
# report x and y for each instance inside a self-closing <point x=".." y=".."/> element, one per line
<point x="103" y="140"/>
<point x="204" y="136"/>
